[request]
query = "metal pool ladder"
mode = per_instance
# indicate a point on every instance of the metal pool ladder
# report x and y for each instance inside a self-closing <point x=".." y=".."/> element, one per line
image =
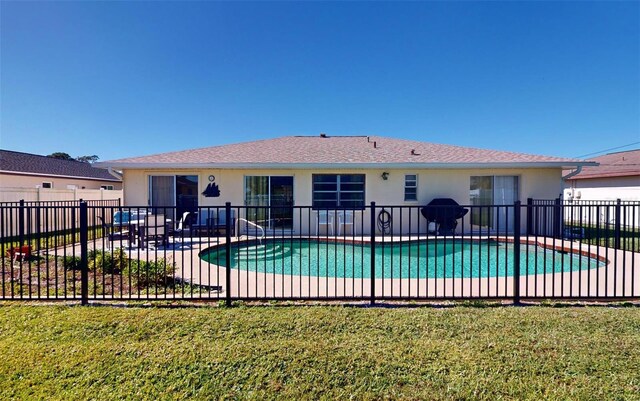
<point x="251" y="224"/>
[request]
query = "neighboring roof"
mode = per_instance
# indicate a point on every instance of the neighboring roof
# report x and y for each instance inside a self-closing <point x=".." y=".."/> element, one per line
<point x="619" y="164"/>
<point x="338" y="151"/>
<point x="30" y="164"/>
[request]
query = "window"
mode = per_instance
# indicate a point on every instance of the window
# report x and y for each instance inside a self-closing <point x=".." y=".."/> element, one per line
<point x="107" y="187"/>
<point x="344" y="191"/>
<point x="47" y="185"/>
<point x="410" y="187"/>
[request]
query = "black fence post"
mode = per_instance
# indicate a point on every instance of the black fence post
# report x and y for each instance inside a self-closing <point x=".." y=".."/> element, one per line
<point x="557" y="218"/>
<point x="84" y="254"/>
<point x="529" y="217"/>
<point x="21" y="223"/>
<point x="373" y="253"/>
<point x="516" y="252"/>
<point x="227" y="244"/>
<point x="617" y="224"/>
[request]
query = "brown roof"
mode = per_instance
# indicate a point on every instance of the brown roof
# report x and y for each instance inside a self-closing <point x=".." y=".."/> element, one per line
<point x="27" y="163"/>
<point x="619" y="164"/>
<point x="334" y="150"/>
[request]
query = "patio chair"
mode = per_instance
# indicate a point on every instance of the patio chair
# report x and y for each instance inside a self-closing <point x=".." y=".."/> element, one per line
<point x="324" y="218"/>
<point x="201" y="221"/>
<point x="114" y="232"/>
<point x="180" y="229"/>
<point x="346" y="218"/>
<point x="219" y="221"/>
<point x="154" y="229"/>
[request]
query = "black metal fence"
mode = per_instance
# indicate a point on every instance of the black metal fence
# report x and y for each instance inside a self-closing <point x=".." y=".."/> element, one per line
<point x="538" y="250"/>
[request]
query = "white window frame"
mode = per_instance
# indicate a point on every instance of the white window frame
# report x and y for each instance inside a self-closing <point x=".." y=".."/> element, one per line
<point x="50" y="183"/>
<point x="415" y="186"/>
<point x="107" y="187"/>
<point x="339" y="190"/>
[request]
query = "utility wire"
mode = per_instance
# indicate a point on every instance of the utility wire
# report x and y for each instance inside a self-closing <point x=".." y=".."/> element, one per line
<point x="606" y="150"/>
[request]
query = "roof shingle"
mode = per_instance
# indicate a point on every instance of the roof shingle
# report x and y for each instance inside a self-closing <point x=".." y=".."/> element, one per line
<point x="335" y="150"/>
<point x="29" y="163"/>
<point x="619" y="164"/>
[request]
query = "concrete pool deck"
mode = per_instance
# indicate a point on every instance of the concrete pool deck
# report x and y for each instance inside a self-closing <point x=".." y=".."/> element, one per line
<point x="618" y="278"/>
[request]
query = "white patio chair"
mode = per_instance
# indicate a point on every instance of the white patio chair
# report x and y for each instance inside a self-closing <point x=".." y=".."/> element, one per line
<point x="180" y="229"/>
<point x="346" y="218"/>
<point x="325" y="218"/>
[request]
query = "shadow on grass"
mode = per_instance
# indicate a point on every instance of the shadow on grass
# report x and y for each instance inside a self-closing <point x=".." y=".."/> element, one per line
<point x="220" y="303"/>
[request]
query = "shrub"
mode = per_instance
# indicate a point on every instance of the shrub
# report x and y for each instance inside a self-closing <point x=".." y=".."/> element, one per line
<point x="151" y="273"/>
<point x="108" y="262"/>
<point x="71" y="262"/>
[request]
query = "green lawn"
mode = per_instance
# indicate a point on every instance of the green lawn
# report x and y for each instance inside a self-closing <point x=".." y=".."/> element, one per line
<point x="319" y="352"/>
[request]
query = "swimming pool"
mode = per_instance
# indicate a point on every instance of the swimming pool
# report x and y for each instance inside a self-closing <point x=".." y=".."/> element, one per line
<point x="412" y="259"/>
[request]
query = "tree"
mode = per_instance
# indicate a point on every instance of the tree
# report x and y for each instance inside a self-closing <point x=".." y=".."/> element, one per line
<point x="61" y="155"/>
<point x="65" y="156"/>
<point x="87" y="159"/>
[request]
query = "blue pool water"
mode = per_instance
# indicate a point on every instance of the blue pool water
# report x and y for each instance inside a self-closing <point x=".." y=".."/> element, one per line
<point x="416" y="259"/>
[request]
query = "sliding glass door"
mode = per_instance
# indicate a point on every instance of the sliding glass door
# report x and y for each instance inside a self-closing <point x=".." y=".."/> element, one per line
<point x="493" y="191"/>
<point x="271" y="201"/>
<point x="179" y="191"/>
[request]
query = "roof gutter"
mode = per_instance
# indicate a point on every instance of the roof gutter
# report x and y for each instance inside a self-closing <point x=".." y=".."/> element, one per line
<point x="114" y="173"/>
<point x="335" y="166"/>
<point x="573" y="173"/>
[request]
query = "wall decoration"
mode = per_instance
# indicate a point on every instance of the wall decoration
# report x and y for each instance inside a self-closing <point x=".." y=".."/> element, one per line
<point x="212" y="190"/>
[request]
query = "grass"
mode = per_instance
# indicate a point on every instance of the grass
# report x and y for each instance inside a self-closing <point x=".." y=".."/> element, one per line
<point x="483" y="353"/>
<point x="605" y="236"/>
<point x="48" y="240"/>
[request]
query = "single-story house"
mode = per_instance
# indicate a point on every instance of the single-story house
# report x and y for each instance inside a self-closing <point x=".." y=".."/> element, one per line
<point x="617" y="176"/>
<point x="26" y="170"/>
<point x="327" y="172"/>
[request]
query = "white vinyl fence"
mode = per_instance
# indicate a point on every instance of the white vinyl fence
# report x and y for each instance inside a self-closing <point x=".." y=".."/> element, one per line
<point x="55" y="195"/>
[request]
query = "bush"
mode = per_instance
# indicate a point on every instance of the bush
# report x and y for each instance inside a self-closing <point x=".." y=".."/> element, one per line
<point x="151" y="273"/>
<point x="108" y="262"/>
<point x="71" y="262"/>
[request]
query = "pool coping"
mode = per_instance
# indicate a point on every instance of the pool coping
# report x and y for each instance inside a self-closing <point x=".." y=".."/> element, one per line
<point x="608" y="285"/>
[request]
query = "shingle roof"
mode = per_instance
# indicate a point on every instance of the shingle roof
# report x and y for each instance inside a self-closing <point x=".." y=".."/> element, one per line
<point x="619" y="164"/>
<point x="29" y="163"/>
<point x="332" y="150"/>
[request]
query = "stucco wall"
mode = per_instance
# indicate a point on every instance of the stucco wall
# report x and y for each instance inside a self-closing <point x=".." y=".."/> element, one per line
<point x="534" y="183"/>
<point x="625" y="188"/>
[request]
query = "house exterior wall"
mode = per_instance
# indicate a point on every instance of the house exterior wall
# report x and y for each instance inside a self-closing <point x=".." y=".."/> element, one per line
<point x="34" y="181"/>
<point x="608" y="188"/>
<point x="534" y="183"/>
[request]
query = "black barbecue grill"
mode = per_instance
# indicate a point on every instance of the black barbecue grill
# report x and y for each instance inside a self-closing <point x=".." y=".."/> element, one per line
<point x="444" y="212"/>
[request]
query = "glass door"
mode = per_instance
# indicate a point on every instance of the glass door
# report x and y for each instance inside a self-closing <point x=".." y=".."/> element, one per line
<point x="505" y="192"/>
<point x="281" y="201"/>
<point x="270" y="201"/>
<point x="175" y="193"/>
<point x="493" y="191"/>
<point x="256" y="196"/>
<point x="162" y="190"/>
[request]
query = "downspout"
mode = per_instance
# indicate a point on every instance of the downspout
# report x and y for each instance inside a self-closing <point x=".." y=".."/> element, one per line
<point x="115" y="173"/>
<point x="568" y="176"/>
<point x="573" y="173"/>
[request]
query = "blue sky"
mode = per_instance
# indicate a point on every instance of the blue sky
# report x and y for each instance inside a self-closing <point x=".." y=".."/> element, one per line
<point x="121" y="79"/>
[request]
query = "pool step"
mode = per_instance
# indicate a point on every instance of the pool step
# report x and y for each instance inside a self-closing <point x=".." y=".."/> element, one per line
<point x="263" y="252"/>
